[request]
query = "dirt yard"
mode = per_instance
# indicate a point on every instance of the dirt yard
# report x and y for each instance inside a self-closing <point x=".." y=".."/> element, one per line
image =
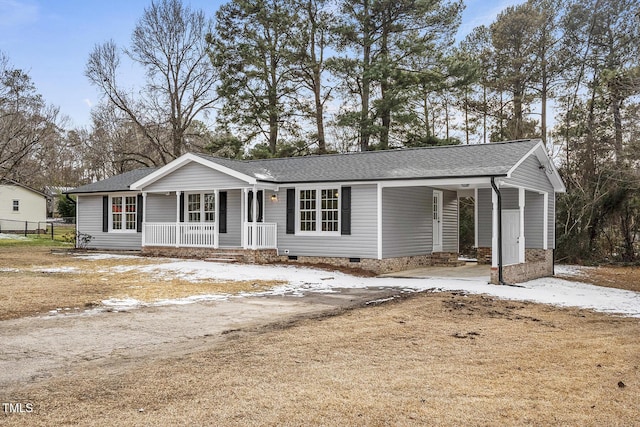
<point x="422" y="359"/>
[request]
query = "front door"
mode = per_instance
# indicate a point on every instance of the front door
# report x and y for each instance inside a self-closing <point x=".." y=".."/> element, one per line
<point x="510" y="236"/>
<point x="437" y="220"/>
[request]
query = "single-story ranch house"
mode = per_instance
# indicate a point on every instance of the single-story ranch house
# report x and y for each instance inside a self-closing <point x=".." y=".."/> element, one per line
<point x="381" y="211"/>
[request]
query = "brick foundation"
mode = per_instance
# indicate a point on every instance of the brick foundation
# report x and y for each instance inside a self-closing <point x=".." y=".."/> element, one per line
<point x="483" y="255"/>
<point x="266" y="256"/>
<point x="538" y="263"/>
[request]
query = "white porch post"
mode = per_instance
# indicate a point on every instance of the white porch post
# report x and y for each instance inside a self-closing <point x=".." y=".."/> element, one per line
<point x="521" y="243"/>
<point x="243" y="218"/>
<point x="254" y="212"/>
<point x="144" y="216"/>
<point x="216" y="230"/>
<point x="545" y="221"/>
<point x="494" y="229"/>
<point x="178" y="193"/>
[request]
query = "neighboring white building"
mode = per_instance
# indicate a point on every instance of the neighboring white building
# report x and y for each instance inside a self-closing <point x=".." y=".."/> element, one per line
<point x="20" y="206"/>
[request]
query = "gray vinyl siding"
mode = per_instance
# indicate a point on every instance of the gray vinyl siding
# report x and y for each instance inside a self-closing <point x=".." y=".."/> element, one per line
<point x="194" y="177"/>
<point x="161" y="208"/>
<point x="552" y="220"/>
<point x="90" y="222"/>
<point x="533" y="220"/>
<point x="362" y="243"/>
<point x="232" y="238"/>
<point x="407" y="221"/>
<point x="529" y="175"/>
<point x="449" y="221"/>
<point x="485" y="220"/>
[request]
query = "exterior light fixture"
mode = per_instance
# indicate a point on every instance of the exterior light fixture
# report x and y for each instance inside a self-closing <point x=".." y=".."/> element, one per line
<point x="274" y="197"/>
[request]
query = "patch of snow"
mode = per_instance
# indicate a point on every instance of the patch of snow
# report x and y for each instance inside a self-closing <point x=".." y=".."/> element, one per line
<point x="5" y="236"/>
<point x="9" y="270"/>
<point x="122" y="303"/>
<point x="571" y="270"/>
<point x="99" y="256"/>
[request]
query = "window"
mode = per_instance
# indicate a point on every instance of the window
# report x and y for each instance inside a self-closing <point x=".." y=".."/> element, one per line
<point x="318" y="210"/>
<point x="307" y="210"/>
<point x="16" y="205"/>
<point x="201" y="206"/>
<point x="124" y="213"/>
<point x="329" y="209"/>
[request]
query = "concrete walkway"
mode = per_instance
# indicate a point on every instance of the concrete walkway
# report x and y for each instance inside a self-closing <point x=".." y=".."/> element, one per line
<point x="469" y="271"/>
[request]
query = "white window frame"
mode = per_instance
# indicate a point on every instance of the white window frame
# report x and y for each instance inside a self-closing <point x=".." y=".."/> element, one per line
<point x="318" y="219"/>
<point x="15" y="206"/>
<point x="123" y="213"/>
<point x="202" y="210"/>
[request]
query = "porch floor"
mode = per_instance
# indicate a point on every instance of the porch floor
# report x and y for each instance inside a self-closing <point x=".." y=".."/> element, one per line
<point x="469" y="271"/>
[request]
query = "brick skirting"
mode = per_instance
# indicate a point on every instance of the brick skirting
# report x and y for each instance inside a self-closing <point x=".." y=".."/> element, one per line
<point x="538" y="263"/>
<point x="266" y="256"/>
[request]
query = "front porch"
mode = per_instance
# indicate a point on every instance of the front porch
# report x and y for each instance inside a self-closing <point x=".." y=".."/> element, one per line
<point x="213" y="219"/>
<point x="258" y="235"/>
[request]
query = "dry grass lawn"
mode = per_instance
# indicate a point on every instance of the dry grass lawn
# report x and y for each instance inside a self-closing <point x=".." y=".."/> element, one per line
<point x="429" y="359"/>
<point x="30" y="288"/>
<point x="432" y="359"/>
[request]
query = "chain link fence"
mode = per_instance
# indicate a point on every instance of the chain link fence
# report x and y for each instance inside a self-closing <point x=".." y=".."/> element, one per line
<point x="54" y="229"/>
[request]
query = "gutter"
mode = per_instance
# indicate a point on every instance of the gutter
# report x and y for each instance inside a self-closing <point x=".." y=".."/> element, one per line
<point x="495" y="188"/>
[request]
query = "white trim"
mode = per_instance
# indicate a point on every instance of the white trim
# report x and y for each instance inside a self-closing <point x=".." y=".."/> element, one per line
<point x="521" y="238"/>
<point x="318" y="231"/>
<point x="437" y="246"/>
<point x="379" y="218"/>
<point x="178" y="193"/>
<point x="545" y="221"/>
<point x="431" y="182"/>
<point x="254" y="214"/>
<point x="123" y="214"/>
<point x="523" y="158"/>
<point x="184" y="160"/>
<point x="544" y="159"/>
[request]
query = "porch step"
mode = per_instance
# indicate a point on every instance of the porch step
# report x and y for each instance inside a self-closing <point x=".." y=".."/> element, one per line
<point x="229" y="260"/>
<point x="229" y="257"/>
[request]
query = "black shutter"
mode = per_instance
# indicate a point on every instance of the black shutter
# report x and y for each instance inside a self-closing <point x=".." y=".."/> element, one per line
<point x="222" y="212"/>
<point x="249" y="207"/>
<point x="139" y="214"/>
<point x="260" y="207"/>
<point x="291" y="210"/>
<point x="105" y="214"/>
<point x="346" y="211"/>
<point x="181" y="207"/>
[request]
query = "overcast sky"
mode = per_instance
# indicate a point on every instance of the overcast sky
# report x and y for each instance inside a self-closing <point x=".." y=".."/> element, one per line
<point x="51" y="40"/>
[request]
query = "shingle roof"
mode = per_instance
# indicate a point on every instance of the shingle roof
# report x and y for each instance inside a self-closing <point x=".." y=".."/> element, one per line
<point x="494" y="159"/>
<point x="115" y="183"/>
<point x="434" y="162"/>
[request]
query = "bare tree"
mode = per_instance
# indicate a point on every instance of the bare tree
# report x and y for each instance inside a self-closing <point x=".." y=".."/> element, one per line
<point x="27" y="124"/>
<point x="168" y="42"/>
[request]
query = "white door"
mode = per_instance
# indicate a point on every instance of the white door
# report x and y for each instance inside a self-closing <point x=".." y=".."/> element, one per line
<point x="437" y="221"/>
<point x="510" y="236"/>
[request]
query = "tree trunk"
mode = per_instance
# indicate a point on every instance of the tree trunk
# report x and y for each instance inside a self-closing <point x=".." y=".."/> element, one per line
<point x="365" y="128"/>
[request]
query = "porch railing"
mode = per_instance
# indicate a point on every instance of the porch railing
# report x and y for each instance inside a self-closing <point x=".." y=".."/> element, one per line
<point x="188" y="235"/>
<point x="266" y="235"/>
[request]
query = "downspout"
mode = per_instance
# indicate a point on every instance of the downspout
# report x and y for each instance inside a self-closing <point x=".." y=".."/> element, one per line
<point x="495" y="188"/>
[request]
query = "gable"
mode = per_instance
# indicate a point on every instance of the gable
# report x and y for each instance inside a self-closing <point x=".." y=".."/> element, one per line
<point x="536" y="171"/>
<point x="194" y="176"/>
